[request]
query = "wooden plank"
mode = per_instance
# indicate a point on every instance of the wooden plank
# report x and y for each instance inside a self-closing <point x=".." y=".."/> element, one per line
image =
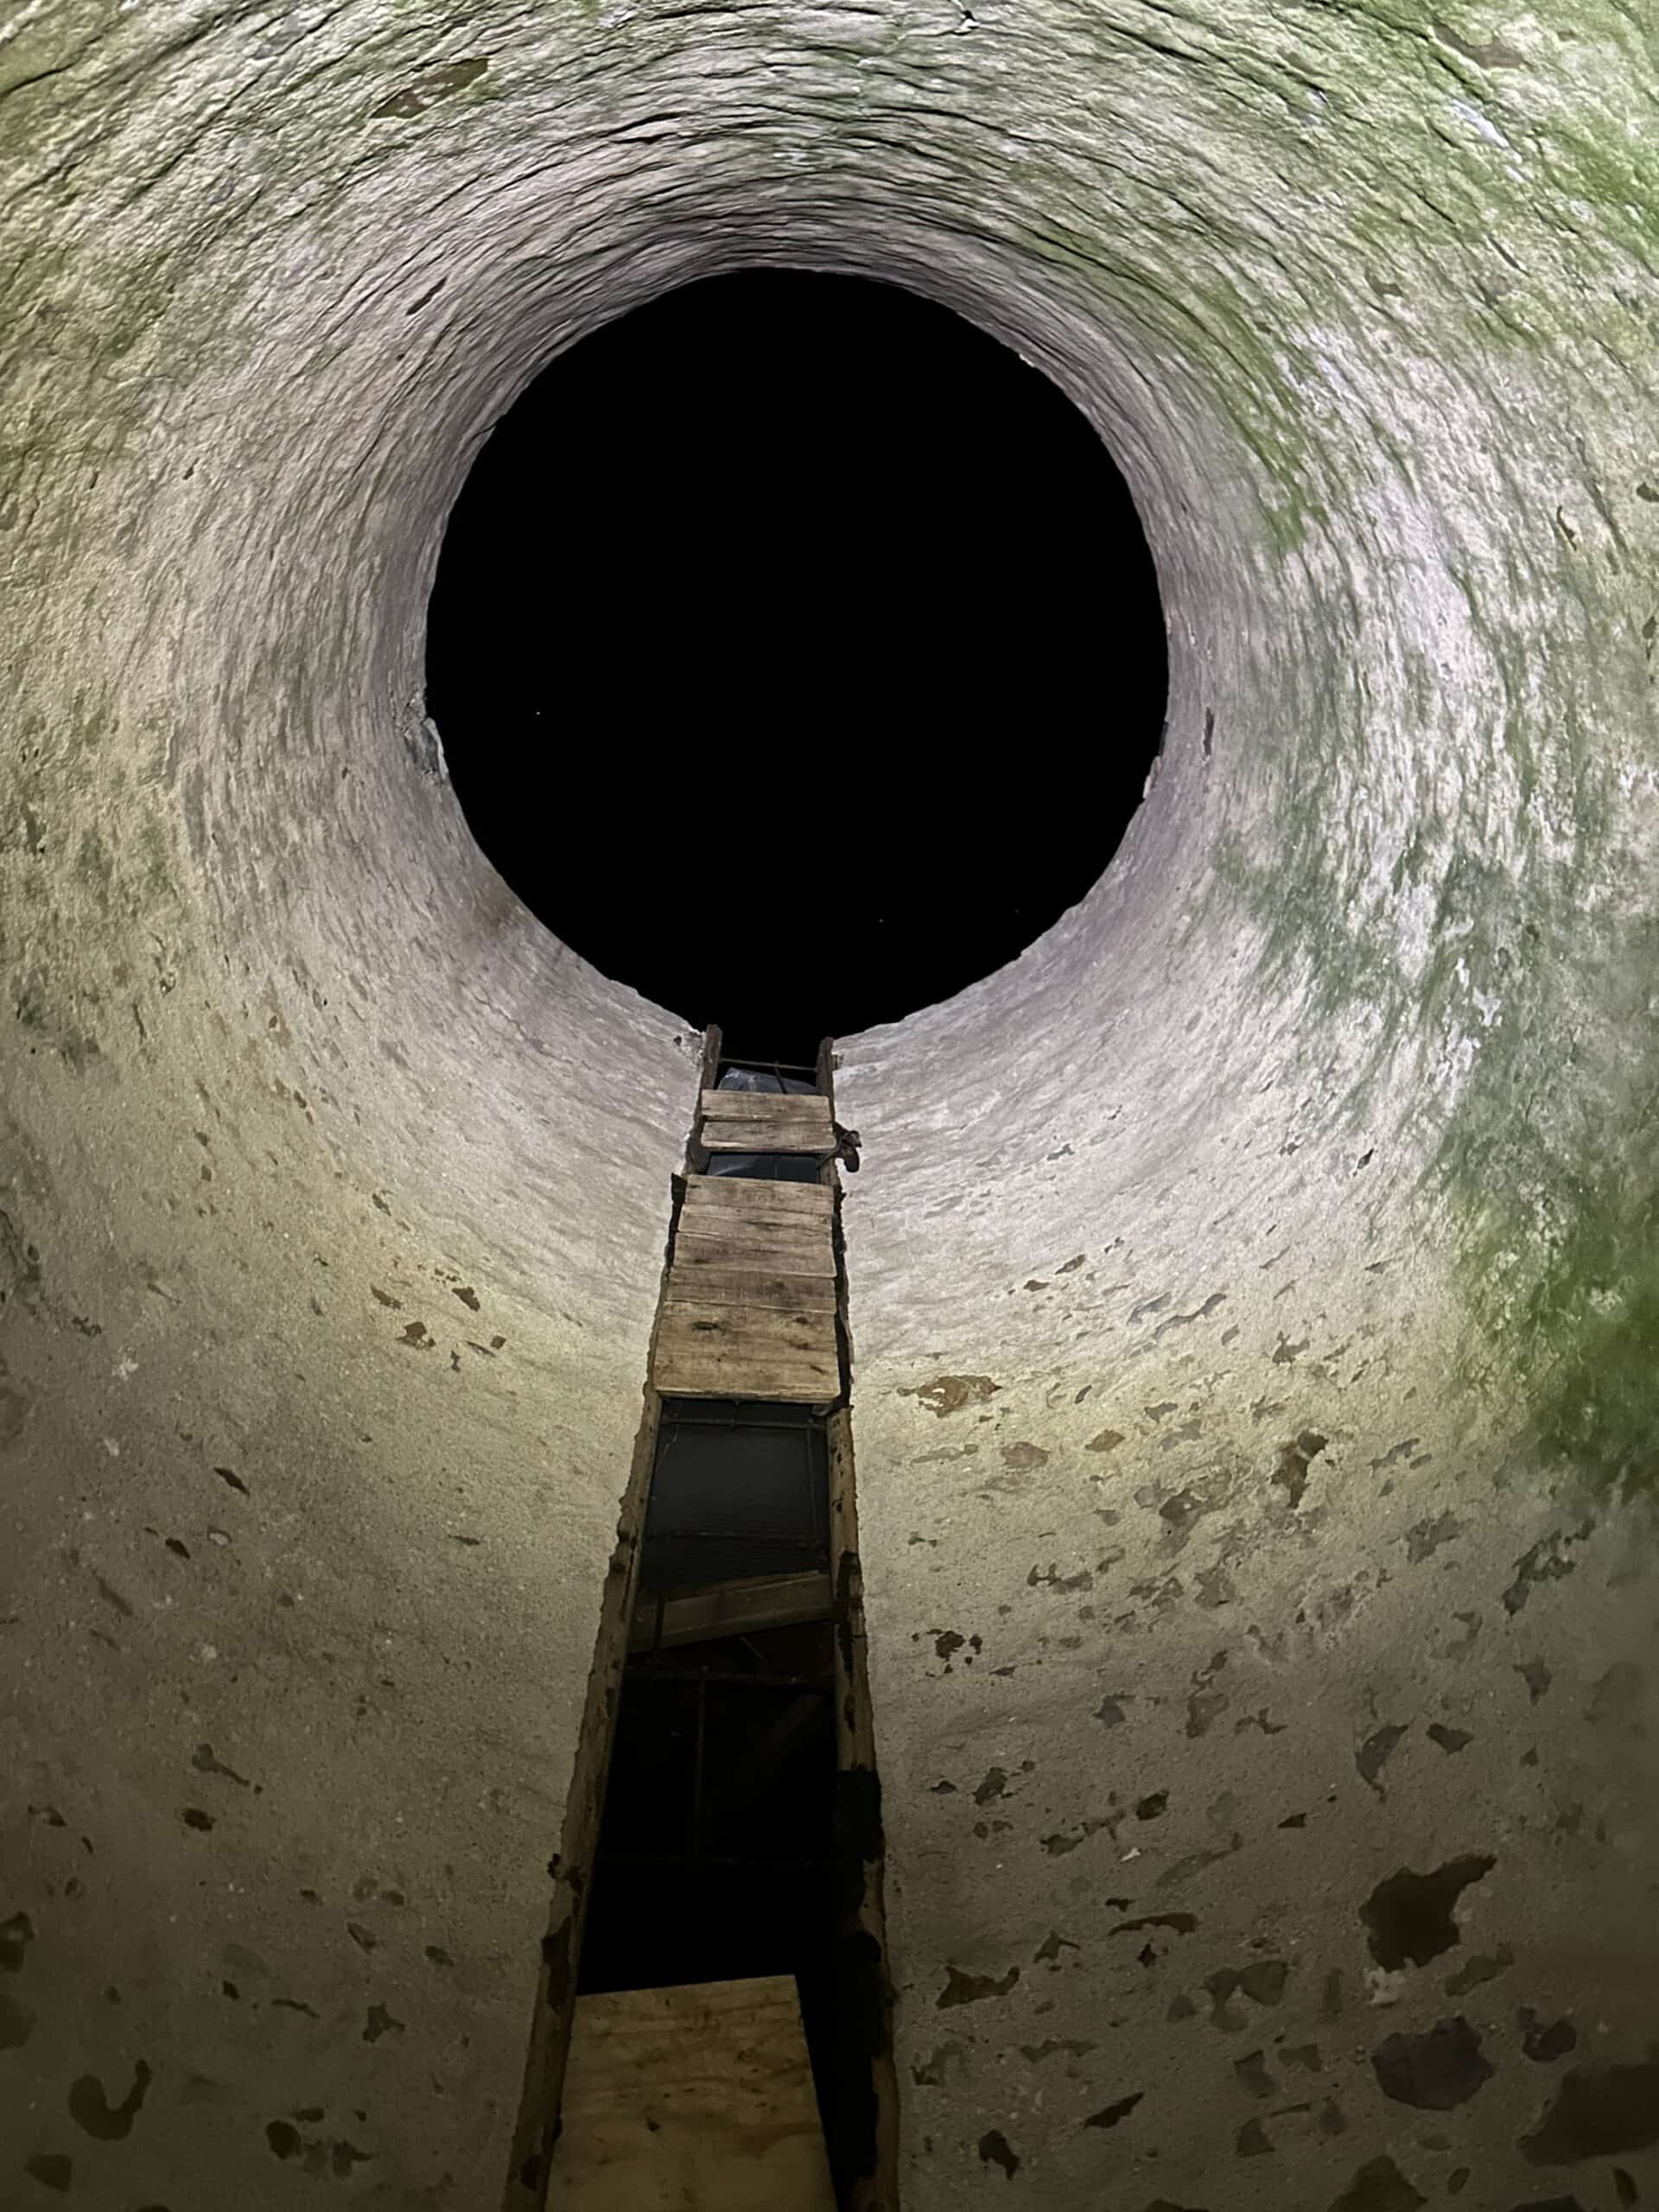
<point x="687" y="1369"/>
<point x="733" y="1609"/>
<point x="699" y="1218"/>
<point x="747" y="1120"/>
<point x="765" y="1245"/>
<point x="692" y="2099"/>
<point x="741" y="1193"/>
<point x="765" y="1106"/>
<point x="695" y="1360"/>
<point x="762" y="1333"/>
<point x="765" y="1137"/>
<point x="749" y="1287"/>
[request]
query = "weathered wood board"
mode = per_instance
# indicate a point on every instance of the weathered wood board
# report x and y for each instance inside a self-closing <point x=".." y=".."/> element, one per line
<point x="733" y="1609"/>
<point x="692" y="2099"/>
<point x="750" y="1120"/>
<point x="716" y="1286"/>
<point x="749" y="1311"/>
<point x="746" y="1194"/>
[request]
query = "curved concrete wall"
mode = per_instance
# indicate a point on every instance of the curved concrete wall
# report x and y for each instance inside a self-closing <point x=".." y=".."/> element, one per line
<point x="1251" y="1303"/>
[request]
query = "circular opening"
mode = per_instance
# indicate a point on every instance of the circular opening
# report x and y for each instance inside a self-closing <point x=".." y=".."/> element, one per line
<point x="797" y="653"/>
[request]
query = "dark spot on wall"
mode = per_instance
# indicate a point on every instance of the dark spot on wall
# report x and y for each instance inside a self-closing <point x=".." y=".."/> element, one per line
<point x="91" y="2111"/>
<point x="386" y="1297"/>
<point x="1448" y="1739"/>
<point x="1024" y="1457"/>
<point x="380" y="2022"/>
<point x="1618" y="1692"/>
<point x="1295" y="1458"/>
<point x="993" y="1785"/>
<point x="1436" y="2071"/>
<point x="112" y="1596"/>
<point x="995" y="2151"/>
<point x="1059" y="1843"/>
<point x="931" y="2074"/>
<point x="344" y="2156"/>
<point x="947" y="1394"/>
<point x="228" y="1475"/>
<point x="16" y="2023"/>
<point x="1252" y="2141"/>
<point x="1052" y="1946"/>
<point x="1597" y="2112"/>
<point x="363" y="1937"/>
<point x="1152" y="1808"/>
<point x="972" y="1988"/>
<point x="1109" y="1711"/>
<point x="467" y="1296"/>
<point x="1624" y="2187"/>
<point x="1426" y="1537"/>
<point x="1484" y="1966"/>
<point x="1053" y="1579"/>
<point x="1537" y="1678"/>
<point x="1253" y="2076"/>
<point x="1262" y="1982"/>
<point x="295" y="2005"/>
<point x="16" y="1934"/>
<point x="438" y="1955"/>
<point x="417" y="1335"/>
<point x="283" y="2138"/>
<point x="194" y="1817"/>
<point x="1377" y="1750"/>
<point x="1110" y="2115"/>
<point x="204" y="1762"/>
<point x="50" y="2169"/>
<point x="1379" y="2186"/>
<point x="1547" y="1560"/>
<point x="1182" y="1923"/>
<point x="1544" y="2045"/>
<point x="1108" y="1440"/>
<point x="1410" y="1918"/>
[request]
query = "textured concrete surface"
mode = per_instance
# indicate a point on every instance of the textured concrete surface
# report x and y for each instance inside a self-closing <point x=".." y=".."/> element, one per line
<point x="1312" y="1160"/>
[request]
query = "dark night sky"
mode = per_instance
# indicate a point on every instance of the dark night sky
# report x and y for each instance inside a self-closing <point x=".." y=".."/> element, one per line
<point x="796" y="654"/>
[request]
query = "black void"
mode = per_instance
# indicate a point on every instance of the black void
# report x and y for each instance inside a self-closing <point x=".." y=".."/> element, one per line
<point x="796" y="654"/>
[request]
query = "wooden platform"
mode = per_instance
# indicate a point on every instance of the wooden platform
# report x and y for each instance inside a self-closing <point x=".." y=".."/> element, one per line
<point x="692" y="2099"/>
<point x="750" y="1307"/>
<point x="759" y="1120"/>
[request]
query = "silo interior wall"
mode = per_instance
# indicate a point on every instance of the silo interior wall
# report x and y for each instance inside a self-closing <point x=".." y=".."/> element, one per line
<point x="1251" y="1293"/>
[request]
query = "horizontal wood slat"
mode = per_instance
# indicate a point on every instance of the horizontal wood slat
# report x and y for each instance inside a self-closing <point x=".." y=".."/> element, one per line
<point x="749" y="1287"/>
<point x="765" y="1105"/>
<point x="686" y="1369"/>
<point x="732" y="1609"/>
<point x="766" y="1330"/>
<point x="749" y="1311"/>
<point x="803" y="1251"/>
<point x="749" y="1193"/>
<point x="748" y="1121"/>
